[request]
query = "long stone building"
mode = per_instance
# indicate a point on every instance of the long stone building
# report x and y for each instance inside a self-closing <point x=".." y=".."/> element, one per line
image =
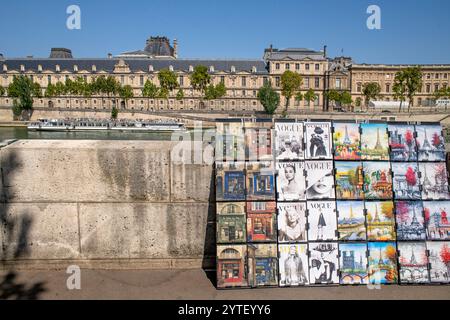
<point x="242" y="78"/>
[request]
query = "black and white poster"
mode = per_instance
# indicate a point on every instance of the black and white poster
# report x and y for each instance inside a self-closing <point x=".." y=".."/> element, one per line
<point x="320" y="180"/>
<point x="293" y="265"/>
<point x="289" y="143"/>
<point x="413" y="262"/>
<point x="322" y="221"/>
<point x="434" y="181"/>
<point x="324" y="263"/>
<point x="318" y="140"/>
<point x="292" y="222"/>
<point x="291" y="181"/>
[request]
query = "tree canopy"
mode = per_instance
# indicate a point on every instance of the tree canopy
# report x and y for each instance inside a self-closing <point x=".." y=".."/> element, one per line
<point x="291" y="83"/>
<point x="200" y="78"/>
<point x="269" y="98"/>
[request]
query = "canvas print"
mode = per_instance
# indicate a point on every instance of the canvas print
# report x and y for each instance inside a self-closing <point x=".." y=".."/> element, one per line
<point x="318" y="140"/>
<point x="431" y="143"/>
<point x="434" y="181"/>
<point x="261" y="222"/>
<point x="406" y="181"/>
<point x="349" y="181"/>
<point x="293" y="265"/>
<point x="260" y="180"/>
<point x="292" y="222"/>
<point x="353" y="263"/>
<point x="232" y="269"/>
<point x="324" y="263"/>
<point x="410" y="220"/>
<point x="436" y="219"/>
<point x="439" y="258"/>
<point x="413" y="261"/>
<point x="351" y="221"/>
<point x="289" y="142"/>
<point x="377" y="180"/>
<point x="319" y="180"/>
<point x="258" y="141"/>
<point x="230" y="141"/>
<point x="322" y="221"/>
<point x="347" y="140"/>
<point x="380" y="221"/>
<point x="262" y="265"/>
<point x="383" y="263"/>
<point x="230" y="181"/>
<point x="374" y="141"/>
<point x="402" y="142"/>
<point x="291" y="181"/>
<point x="231" y="222"/>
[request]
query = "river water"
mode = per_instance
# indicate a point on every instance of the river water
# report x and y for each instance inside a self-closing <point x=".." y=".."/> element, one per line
<point x="22" y="133"/>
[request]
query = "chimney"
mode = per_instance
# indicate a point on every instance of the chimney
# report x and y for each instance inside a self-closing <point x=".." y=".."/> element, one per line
<point x="110" y="55"/>
<point x="271" y="48"/>
<point x="325" y="51"/>
<point x="175" y="48"/>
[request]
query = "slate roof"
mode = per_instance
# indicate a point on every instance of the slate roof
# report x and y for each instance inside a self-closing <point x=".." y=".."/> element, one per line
<point x="135" y="65"/>
<point x="294" y="53"/>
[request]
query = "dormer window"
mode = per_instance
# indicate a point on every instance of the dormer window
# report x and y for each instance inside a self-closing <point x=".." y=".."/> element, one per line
<point x="150" y="68"/>
<point x="170" y="68"/>
<point x="94" y="68"/>
<point x="211" y="69"/>
<point x="22" y="68"/>
<point x="58" y="68"/>
<point x="233" y="69"/>
<point x="75" y="68"/>
<point x="254" y="70"/>
<point x="39" y="68"/>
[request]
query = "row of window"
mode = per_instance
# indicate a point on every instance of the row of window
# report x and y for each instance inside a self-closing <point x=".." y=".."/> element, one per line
<point x="426" y="88"/>
<point x="388" y="76"/>
<point x="297" y="66"/>
<point x="306" y="82"/>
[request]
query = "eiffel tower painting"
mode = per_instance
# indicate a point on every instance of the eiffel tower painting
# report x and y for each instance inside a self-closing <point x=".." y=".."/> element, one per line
<point x="347" y="136"/>
<point x="378" y="145"/>
<point x="426" y="143"/>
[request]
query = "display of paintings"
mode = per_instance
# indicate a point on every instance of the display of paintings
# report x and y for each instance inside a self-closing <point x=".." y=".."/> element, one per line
<point x="260" y="180"/>
<point x="374" y="141"/>
<point x="434" y="181"/>
<point x="318" y="140"/>
<point x="406" y="181"/>
<point x="349" y="181"/>
<point x="402" y="142"/>
<point x="261" y="222"/>
<point x="351" y="221"/>
<point x="230" y="181"/>
<point x="289" y="142"/>
<point x="319" y="180"/>
<point x="380" y="221"/>
<point x="353" y="263"/>
<point x="231" y="222"/>
<point x="230" y="141"/>
<point x="293" y="265"/>
<point x="231" y="266"/>
<point x="262" y="265"/>
<point x="413" y="261"/>
<point x="291" y="181"/>
<point x="347" y="139"/>
<point x="322" y="221"/>
<point x="410" y="220"/>
<point x="258" y="141"/>
<point x="430" y="142"/>
<point x="324" y="263"/>
<point x="292" y="222"/>
<point x="439" y="258"/>
<point x="436" y="218"/>
<point x="383" y="263"/>
<point x="377" y="180"/>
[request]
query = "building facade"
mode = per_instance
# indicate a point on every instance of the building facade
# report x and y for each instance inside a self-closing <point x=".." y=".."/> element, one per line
<point x="242" y="78"/>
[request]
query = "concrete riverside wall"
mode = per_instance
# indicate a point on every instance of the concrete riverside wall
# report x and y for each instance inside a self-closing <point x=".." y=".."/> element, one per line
<point x="104" y="204"/>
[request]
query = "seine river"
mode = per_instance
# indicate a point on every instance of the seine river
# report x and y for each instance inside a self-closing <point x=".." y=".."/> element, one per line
<point x="22" y="133"/>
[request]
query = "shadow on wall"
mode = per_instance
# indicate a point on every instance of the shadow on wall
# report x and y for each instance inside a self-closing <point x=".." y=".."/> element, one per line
<point x="209" y="251"/>
<point x="15" y="231"/>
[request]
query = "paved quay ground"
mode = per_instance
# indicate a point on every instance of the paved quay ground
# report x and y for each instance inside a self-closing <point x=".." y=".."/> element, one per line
<point x="181" y="285"/>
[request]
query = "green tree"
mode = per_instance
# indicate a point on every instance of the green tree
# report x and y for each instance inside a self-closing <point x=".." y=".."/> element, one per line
<point x="309" y="96"/>
<point x="150" y="90"/>
<point x="358" y="102"/>
<point x="126" y="93"/>
<point x="114" y="112"/>
<point x="269" y="98"/>
<point x="413" y="82"/>
<point x="215" y="92"/>
<point x="180" y="94"/>
<point x="23" y="90"/>
<point x="200" y="79"/>
<point x="50" y="92"/>
<point x="60" y="89"/>
<point x="167" y="80"/>
<point x="2" y="91"/>
<point x="371" y="91"/>
<point x="334" y="96"/>
<point x="291" y="83"/>
<point x="399" y="88"/>
<point x="220" y="90"/>
<point x="346" y="98"/>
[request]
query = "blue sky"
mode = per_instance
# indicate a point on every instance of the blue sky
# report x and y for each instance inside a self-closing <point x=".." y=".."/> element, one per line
<point x="414" y="31"/>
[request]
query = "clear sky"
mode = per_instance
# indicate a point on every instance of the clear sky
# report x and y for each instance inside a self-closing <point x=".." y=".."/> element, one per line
<point x="413" y="31"/>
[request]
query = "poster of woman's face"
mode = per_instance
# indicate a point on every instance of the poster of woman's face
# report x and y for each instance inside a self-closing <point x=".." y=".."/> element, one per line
<point x="318" y="140"/>
<point x="289" y="141"/>
<point x="291" y="222"/>
<point x="320" y="180"/>
<point x="291" y="184"/>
